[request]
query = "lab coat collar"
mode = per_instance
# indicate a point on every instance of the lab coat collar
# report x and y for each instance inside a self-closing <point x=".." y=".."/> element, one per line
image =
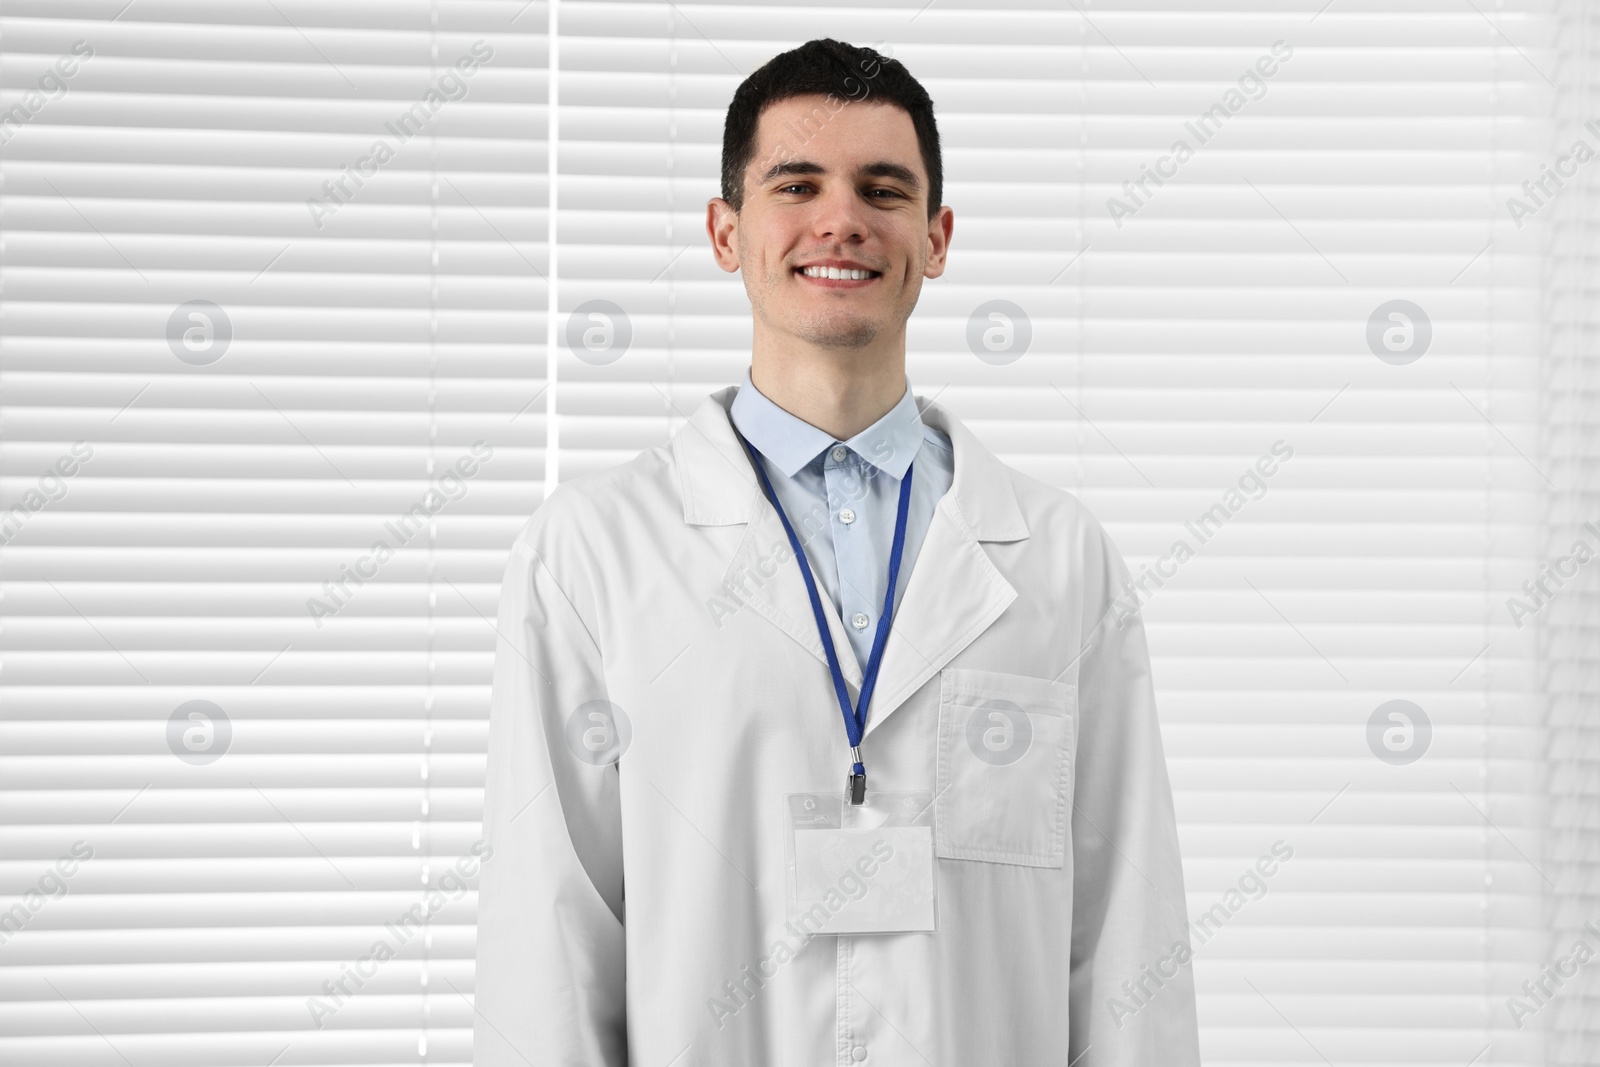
<point x="954" y="592"/>
<point x="719" y="487"/>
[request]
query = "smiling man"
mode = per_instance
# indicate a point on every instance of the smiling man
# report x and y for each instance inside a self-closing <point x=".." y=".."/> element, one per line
<point x="815" y="738"/>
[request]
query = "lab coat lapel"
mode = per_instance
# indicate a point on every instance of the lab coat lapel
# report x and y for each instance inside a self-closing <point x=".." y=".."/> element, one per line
<point x="782" y="597"/>
<point x="955" y="591"/>
<point x="720" y="488"/>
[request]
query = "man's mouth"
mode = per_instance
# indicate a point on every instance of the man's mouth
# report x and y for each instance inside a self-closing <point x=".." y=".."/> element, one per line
<point x="838" y="277"/>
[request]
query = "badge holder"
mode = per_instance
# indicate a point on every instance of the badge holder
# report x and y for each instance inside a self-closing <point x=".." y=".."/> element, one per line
<point x="860" y="868"/>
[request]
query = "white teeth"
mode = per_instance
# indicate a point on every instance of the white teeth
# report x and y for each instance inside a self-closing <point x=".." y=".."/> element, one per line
<point x="836" y="273"/>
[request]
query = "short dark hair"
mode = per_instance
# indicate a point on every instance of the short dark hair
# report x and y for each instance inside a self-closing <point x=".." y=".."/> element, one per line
<point x="828" y="68"/>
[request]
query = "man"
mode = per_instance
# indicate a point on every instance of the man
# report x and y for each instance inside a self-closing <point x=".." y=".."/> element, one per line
<point x="680" y="768"/>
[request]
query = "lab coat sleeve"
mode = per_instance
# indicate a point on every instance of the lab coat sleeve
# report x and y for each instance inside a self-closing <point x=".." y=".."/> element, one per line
<point x="1129" y="913"/>
<point x="549" y="986"/>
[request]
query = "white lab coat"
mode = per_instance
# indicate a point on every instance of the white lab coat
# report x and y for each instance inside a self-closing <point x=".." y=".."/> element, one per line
<point x="666" y="587"/>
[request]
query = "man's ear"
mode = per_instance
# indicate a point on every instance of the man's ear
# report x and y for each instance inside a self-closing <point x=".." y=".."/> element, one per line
<point x="939" y="230"/>
<point x="722" y="224"/>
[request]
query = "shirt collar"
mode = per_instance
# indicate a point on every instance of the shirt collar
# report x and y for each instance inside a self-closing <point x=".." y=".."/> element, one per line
<point x="890" y="444"/>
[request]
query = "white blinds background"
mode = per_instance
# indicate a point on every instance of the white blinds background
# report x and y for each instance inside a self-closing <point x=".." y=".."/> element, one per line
<point x="230" y="889"/>
<point x="1227" y="312"/>
<point x="1571" y="638"/>
<point x="1367" y="162"/>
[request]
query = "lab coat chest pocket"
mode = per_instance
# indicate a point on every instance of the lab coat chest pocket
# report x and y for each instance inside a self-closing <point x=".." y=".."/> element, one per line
<point x="1005" y="767"/>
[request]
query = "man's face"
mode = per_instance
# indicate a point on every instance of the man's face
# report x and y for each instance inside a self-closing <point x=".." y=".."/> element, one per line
<point x="833" y="188"/>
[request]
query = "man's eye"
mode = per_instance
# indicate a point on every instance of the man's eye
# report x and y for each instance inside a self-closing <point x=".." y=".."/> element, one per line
<point x="786" y="188"/>
<point x="891" y="192"/>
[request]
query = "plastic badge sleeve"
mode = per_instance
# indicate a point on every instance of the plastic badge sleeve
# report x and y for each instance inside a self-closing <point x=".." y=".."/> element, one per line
<point x="861" y="868"/>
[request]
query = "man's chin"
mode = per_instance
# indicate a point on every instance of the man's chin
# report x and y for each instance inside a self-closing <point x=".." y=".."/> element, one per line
<point x="848" y="334"/>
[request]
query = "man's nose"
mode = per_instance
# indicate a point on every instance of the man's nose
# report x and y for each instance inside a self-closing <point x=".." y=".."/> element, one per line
<point x="840" y="215"/>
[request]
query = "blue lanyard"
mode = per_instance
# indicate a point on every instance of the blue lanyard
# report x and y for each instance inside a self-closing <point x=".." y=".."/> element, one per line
<point x="855" y="719"/>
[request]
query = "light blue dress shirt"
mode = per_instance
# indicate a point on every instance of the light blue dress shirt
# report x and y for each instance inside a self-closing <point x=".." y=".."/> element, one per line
<point x="841" y="497"/>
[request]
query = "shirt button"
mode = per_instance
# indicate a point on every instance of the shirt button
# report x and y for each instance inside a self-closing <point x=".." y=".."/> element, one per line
<point x="847" y="516"/>
<point x="859" y="620"/>
<point x="838" y="453"/>
<point x="858" y="1053"/>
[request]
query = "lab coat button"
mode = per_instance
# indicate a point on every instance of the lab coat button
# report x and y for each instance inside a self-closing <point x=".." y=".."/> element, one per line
<point x="859" y="620"/>
<point x="847" y="516"/>
<point x="838" y="453"/>
<point x="858" y="1053"/>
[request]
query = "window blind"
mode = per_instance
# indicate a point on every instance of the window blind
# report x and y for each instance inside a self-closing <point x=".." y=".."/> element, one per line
<point x="1570" y="637"/>
<point x="241" y="747"/>
<point x="273" y="301"/>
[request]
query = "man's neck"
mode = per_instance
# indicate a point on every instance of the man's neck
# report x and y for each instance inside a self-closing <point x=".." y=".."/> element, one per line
<point x="838" y="396"/>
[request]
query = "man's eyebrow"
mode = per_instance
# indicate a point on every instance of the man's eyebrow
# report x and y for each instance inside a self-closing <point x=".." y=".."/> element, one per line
<point x="793" y="166"/>
<point x="880" y="169"/>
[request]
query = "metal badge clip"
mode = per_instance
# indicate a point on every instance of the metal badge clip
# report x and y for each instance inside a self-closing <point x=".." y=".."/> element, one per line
<point x="858" y="788"/>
